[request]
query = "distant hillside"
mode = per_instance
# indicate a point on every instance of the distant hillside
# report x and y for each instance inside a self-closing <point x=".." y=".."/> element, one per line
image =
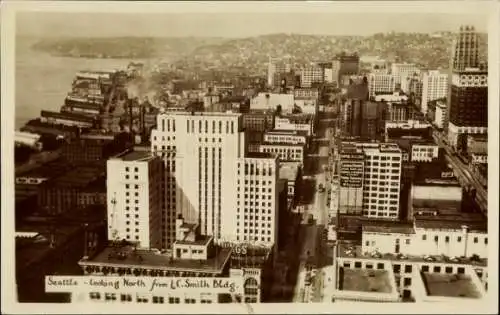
<point x="250" y="55"/>
<point x="122" y="47"/>
<point x="425" y="49"/>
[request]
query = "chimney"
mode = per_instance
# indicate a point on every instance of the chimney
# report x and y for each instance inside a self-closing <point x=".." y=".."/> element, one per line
<point x="130" y="102"/>
<point x="143" y="122"/>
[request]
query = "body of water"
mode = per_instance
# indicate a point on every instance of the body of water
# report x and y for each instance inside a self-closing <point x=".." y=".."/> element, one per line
<point x="42" y="80"/>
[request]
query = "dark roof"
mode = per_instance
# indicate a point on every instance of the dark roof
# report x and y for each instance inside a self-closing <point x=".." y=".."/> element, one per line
<point x="151" y="259"/>
<point x="388" y="227"/>
<point x="77" y="177"/>
<point x="136" y="155"/>
<point x="29" y="251"/>
<point x="413" y="133"/>
<point x="455" y="222"/>
<point x="88" y="105"/>
<point x="425" y="172"/>
<point x="199" y="240"/>
<point x="358" y="91"/>
<point x="70" y="116"/>
<point x="48" y="170"/>
<point x="284" y="144"/>
<point x="260" y="155"/>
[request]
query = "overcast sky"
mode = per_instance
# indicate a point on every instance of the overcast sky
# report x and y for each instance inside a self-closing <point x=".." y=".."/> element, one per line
<point x="237" y="24"/>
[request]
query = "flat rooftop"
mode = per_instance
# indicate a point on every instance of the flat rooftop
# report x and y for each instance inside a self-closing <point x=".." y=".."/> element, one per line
<point x="365" y="280"/>
<point x="288" y="172"/>
<point x="260" y="155"/>
<point x="198" y="113"/>
<point x="148" y="258"/>
<point x="425" y="172"/>
<point x="199" y="240"/>
<point x="135" y="155"/>
<point x="389" y="227"/>
<point x="449" y="285"/>
<point x="47" y="170"/>
<point x="287" y="132"/>
<point x="77" y="177"/>
<point x="354" y="251"/>
<point x="30" y="250"/>
<point x="281" y="144"/>
<point x="452" y="222"/>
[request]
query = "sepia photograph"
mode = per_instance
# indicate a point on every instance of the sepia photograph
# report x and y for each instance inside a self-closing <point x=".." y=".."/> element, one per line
<point x="250" y="157"/>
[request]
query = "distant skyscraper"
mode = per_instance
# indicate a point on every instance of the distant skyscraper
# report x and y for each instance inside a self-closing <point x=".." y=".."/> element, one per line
<point x="434" y="86"/>
<point x="468" y="106"/>
<point x="401" y="71"/>
<point x="379" y="83"/>
<point x="466" y="49"/>
<point x="274" y="69"/>
<point x="344" y="64"/>
<point x="310" y="75"/>
<point x="468" y="90"/>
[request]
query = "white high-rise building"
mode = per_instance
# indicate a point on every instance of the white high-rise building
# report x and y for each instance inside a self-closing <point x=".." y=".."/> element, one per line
<point x="401" y="71"/>
<point x="381" y="184"/>
<point x="256" y="218"/>
<point x="202" y="154"/>
<point x="276" y="66"/>
<point x="380" y="83"/>
<point x="310" y="75"/>
<point x="434" y="86"/>
<point x="135" y="205"/>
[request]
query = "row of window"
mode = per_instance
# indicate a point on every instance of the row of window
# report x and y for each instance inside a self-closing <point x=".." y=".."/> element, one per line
<point x="170" y="125"/>
<point x="253" y="238"/>
<point x="190" y="127"/>
<point x="380" y="214"/>
<point x="380" y="189"/>
<point x="263" y="218"/>
<point x="154" y="300"/>
<point x="459" y="239"/>
<point x="163" y="138"/>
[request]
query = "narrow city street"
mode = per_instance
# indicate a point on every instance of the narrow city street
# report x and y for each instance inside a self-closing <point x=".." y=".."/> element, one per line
<point x="463" y="173"/>
<point x="312" y="239"/>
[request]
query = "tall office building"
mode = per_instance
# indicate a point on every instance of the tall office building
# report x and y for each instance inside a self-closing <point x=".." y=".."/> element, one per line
<point x="374" y="169"/>
<point x="380" y="83"/>
<point x="415" y="90"/>
<point x="351" y="168"/>
<point x="135" y="203"/>
<point x="466" y="49"/>
<point x="468" y="90"/>
<point x="203" y="153"/>
<point x="257" y="200"/>
<point x="345" y="64"/>
<point x="434" y="86"/>
<point x="401" y="71"/>
<point x="276" y="67"/>
<point x="382" y="175"/>
<point x="468" y="106"/>
<point x="310" y="75"/>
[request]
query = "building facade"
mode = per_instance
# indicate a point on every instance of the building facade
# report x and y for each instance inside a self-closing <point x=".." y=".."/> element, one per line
<point x="380" y="83"/>
<point x="434" y="87"/>
<point x="382" y="175"/>
<point x="468" y="106"/>
<point x="209" y="147"/>
<point x="401" y="71"/>
<point x="466" y="49"/>
<point x="135" y="200"/>
<point x="285" y="152"/>
<point x="351" y="170"/>
<point x="311" y="75"/>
